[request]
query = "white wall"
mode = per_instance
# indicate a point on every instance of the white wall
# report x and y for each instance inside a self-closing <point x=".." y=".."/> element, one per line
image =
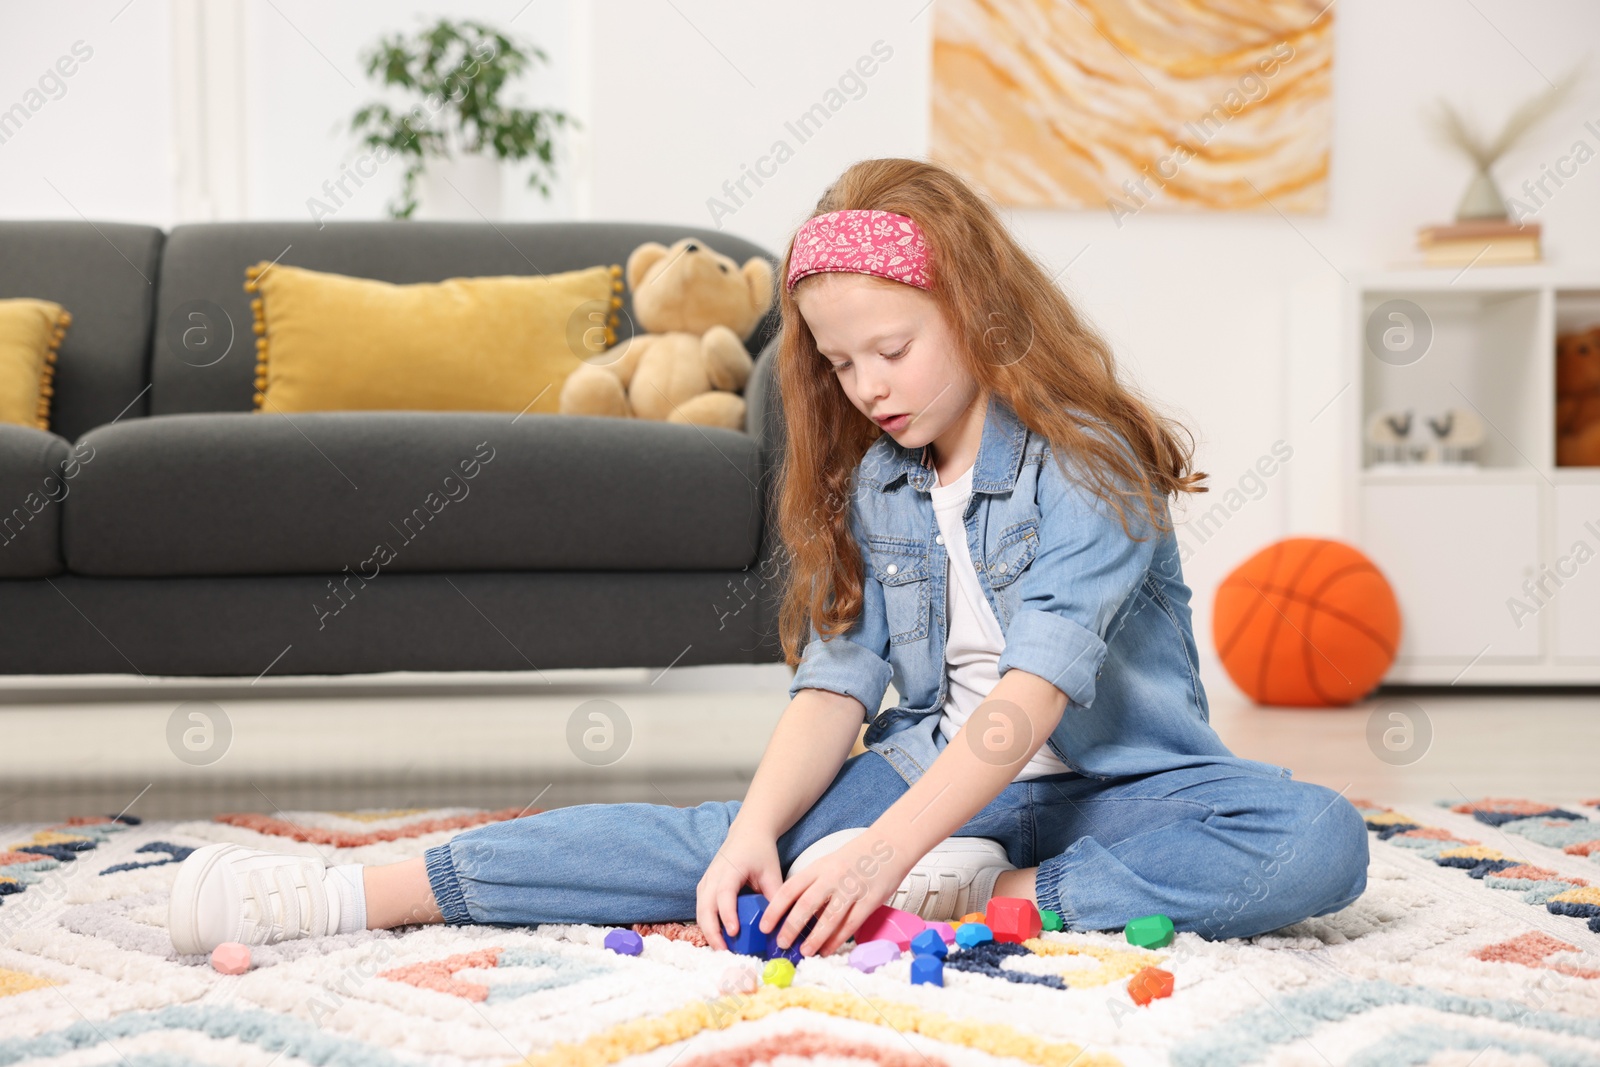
<point x="681" y="97"/>
<point x="99" y="146"/>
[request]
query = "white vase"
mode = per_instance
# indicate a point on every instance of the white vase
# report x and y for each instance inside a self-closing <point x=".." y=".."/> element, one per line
<point x="462" y="187"/>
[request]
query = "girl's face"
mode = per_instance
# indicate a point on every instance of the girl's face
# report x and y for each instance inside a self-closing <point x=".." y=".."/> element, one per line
<point x="893" y="354"/>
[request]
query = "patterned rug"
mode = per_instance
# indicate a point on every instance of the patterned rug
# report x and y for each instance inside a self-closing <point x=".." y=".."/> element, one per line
<point x="1477" y="943"/>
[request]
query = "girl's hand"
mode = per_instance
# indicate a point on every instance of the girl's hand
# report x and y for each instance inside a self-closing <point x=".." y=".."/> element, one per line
<point x="747" y="857"/>
<point x="841" y="889"/>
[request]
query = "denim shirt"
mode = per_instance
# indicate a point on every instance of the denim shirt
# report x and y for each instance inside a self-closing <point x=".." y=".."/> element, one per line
<point x="1101" y="616"/>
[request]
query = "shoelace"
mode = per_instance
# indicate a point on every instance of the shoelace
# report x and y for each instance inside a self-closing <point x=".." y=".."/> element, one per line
<point x="277" y="903"/>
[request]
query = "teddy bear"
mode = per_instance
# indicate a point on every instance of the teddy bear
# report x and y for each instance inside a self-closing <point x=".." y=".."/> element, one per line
<point x="1578" y="399"/>
<point x="699" y="307"/>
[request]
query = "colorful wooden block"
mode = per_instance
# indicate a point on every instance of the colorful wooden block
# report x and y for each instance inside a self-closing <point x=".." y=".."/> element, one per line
<point x="1149" y="931"/>
<point x="1150" y="983"/>
<point x="974" y="917"/>
<point x="868" y="956"/>
<point x="973" y="934"/>
<point x="929" y="943"/>
<point x="947" y="931"/>
<point x="625" y="942"/>
<point x="1051" y="920"/>
<point x="891" y="924"/>
<point x="230" y="957"/>
<point x="738" y="980"/>
<point x="778" y="972"/>
<point x="1013" y="919"/>
<point x="927" y="970"/>
<point x="792" y="953"/>
<point x="749" y="940"/>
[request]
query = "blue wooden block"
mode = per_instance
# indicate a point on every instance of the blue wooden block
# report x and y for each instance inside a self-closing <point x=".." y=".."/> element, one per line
<point x="928" y="970"/>
<point x="749" y="940"/>
<point x="973" y="934"/>
<point x="929" y="943"/>
<point x="792" y="953"/>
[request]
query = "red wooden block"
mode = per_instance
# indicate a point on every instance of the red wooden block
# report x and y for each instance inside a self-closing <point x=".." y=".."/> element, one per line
<point x="1013" y="919"/>
<point x="1150" y="983"/>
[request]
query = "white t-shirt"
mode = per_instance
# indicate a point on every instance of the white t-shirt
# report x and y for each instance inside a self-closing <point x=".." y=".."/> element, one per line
<point x="975" y="641"/>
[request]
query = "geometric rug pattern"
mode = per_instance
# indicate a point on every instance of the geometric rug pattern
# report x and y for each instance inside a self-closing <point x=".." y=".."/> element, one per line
<point x="1476" y="943"/>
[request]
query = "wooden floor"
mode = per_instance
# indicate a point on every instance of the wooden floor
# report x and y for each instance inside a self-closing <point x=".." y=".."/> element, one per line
<point x="101" y="745"/>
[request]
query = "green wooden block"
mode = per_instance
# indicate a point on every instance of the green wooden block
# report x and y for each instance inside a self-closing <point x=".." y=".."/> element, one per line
<point x="1050" y="920"/>
<point x="1150" y="931"/>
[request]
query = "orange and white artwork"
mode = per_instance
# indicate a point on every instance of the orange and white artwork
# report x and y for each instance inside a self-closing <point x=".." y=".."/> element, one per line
<point x="1118" y="105"/>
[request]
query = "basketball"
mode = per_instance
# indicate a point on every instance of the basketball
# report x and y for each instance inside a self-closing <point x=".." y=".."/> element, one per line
<point x="1306" y="622"/>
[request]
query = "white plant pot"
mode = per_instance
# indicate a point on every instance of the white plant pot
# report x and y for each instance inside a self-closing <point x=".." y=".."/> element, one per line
<point x="463" y="187"/>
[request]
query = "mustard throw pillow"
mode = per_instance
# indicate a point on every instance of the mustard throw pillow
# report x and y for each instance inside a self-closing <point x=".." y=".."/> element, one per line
<point x="30" y="332"/>
<point x="329" y="342"/>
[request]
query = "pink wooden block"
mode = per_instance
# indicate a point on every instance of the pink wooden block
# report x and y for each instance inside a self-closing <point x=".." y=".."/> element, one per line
<point x="230" y="957"/>
<point x="739" y="980"/>
<point x="945" y="931"/>
<point x="891" y="924"/>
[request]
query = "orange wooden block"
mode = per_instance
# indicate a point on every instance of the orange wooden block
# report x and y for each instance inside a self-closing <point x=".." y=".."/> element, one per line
<point x="974" y="917"/>
<point x="1150" y="983"/>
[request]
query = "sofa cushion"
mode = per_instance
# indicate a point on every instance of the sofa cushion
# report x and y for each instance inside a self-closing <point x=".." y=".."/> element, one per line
<point x="38" y="471"/>
<point x="104" y="274"/>
<point x="329" y="342"/>
<point x="210" y="365"/>
<point x="30" y="333"/>
<point x="369" y="491"/>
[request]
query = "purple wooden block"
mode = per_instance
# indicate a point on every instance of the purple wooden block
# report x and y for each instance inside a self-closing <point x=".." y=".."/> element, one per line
<point x="625" y="942"/>
<point x="870" y="955"/>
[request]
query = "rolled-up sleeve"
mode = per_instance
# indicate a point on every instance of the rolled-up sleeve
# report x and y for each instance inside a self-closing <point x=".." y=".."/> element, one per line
<point x="1085" y="569"/>
<point x="854" y="662"/>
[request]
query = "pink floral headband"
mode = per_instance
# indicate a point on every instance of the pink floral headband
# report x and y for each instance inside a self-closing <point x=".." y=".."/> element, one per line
<point x="861" y="242"/>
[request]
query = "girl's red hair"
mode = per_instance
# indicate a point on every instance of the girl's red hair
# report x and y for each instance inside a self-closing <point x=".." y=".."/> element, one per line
<point x="1019" y="338"/>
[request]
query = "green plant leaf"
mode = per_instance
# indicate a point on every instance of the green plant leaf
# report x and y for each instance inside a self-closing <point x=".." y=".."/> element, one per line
<point x="465" y="65"/>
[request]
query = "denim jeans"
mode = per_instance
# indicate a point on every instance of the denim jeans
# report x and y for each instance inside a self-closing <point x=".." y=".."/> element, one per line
<point x="1222" y="850"/>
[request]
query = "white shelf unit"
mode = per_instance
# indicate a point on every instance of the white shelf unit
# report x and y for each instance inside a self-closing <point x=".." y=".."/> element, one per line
<point x="1460" y="546"/>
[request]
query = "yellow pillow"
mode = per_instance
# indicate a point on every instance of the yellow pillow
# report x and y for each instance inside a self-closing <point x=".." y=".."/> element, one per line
<point x="30" y="333"/>
<point x="329" y="342"/>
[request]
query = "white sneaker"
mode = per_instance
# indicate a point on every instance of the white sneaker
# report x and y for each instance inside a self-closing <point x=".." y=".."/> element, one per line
<point x="944" y="883"/>
<point x="228" y="892"/>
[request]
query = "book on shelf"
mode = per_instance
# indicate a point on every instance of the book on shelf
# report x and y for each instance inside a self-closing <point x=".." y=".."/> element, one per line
<point x="1485" y="241"/>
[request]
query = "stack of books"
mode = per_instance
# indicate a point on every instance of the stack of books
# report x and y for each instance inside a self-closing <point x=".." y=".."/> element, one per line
<point x="1480" y="241"/>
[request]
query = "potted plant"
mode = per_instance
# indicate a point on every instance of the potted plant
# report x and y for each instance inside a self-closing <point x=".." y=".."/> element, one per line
<point x="457" y="72"/>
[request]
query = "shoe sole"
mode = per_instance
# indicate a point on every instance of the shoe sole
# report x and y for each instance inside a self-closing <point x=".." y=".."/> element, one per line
<point x="183" y="918"/>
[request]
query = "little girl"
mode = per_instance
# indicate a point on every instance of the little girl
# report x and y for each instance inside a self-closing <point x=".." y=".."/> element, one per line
<point x="973" y="507"/>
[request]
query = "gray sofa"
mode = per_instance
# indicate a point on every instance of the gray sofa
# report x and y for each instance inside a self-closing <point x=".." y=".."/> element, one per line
<point x="164" y="528"/>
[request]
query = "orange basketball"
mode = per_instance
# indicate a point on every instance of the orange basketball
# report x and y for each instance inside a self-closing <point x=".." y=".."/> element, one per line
<point x="1306" y="621"/>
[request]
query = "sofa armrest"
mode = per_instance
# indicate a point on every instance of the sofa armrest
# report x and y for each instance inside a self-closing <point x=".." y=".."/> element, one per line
<point x="764" y="420"/>
<point x="36" y="468"/>
<point x="764" y="409"/>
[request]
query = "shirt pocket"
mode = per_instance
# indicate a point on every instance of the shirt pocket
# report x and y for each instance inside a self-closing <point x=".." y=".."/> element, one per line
<point x="901" y="566"/>
<point x="1011" y="553"/>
